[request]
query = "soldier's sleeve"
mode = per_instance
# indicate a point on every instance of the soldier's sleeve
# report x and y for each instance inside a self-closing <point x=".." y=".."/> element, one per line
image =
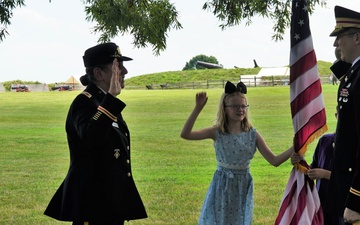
<point x="93" y="120"/>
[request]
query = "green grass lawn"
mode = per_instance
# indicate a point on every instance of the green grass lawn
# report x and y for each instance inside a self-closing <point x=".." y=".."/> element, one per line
<point x="172" y="174"/>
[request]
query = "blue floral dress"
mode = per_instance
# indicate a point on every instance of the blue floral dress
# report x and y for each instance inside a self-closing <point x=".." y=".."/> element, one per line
<point x="229" y="199"/>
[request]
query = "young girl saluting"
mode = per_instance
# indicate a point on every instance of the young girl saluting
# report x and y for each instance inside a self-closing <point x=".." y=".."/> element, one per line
<point x="229" y="199"/>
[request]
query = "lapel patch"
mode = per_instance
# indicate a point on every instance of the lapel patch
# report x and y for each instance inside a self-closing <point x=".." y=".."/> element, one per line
<point x="117" y="153"/>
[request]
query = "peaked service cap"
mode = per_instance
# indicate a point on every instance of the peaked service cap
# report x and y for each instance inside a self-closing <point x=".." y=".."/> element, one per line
<point x="345" y="19"/>
<point x="103" y="54"/>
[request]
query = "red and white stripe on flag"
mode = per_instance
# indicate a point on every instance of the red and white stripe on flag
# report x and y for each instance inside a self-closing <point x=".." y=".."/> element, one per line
<point x="307" y="103"/>
<point x="300" y="203"/>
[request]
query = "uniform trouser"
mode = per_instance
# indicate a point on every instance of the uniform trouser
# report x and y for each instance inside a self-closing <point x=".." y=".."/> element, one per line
<point x="89" y="223"/>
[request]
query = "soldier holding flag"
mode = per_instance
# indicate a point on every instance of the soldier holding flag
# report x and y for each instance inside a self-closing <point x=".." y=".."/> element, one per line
<point x="344" y="188"/>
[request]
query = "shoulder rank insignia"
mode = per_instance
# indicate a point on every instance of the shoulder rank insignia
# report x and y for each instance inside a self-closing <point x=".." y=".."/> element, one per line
<point x="87" y="94"/>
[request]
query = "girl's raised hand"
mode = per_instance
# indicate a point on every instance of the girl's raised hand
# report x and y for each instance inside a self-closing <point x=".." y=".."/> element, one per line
<point x="201" y="99"/>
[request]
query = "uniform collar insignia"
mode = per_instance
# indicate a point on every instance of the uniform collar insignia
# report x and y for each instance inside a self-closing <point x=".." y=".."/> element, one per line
<point x="117" y="153"/>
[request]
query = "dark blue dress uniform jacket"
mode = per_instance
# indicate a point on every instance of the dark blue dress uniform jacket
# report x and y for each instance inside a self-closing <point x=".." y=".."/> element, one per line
<point x="344" y="186"/>
<point x="99" y="186"/>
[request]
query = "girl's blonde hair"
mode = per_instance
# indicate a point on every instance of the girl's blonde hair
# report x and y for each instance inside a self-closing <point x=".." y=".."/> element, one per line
<point x="222" y="121"/>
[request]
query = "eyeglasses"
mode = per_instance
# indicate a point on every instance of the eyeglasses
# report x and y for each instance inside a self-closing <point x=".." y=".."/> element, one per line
<point x="237" y="107"/>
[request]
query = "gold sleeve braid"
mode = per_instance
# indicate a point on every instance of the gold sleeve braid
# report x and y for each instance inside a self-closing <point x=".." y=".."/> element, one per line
<point x="107" y="113"/>
<point x="355" y="192"/>
<point x="101" y="110"/>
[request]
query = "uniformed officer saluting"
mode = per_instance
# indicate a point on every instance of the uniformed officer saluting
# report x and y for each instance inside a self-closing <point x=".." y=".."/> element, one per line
<point x="99" y="187"/>
<point x="343" y="199"/>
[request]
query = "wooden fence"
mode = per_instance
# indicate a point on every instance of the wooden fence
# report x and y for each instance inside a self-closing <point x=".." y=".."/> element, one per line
<point x="207" y="84"/>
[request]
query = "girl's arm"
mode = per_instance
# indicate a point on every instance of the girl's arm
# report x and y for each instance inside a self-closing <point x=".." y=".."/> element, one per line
<point x="187" y="131"/>
<point x="265" y="151"/>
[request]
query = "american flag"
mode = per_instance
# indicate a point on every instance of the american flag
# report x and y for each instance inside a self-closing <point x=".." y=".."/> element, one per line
<point x="300" y="203"/>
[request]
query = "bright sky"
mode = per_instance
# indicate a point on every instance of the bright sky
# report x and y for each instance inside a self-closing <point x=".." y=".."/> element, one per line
<point x="47" y="41"/>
